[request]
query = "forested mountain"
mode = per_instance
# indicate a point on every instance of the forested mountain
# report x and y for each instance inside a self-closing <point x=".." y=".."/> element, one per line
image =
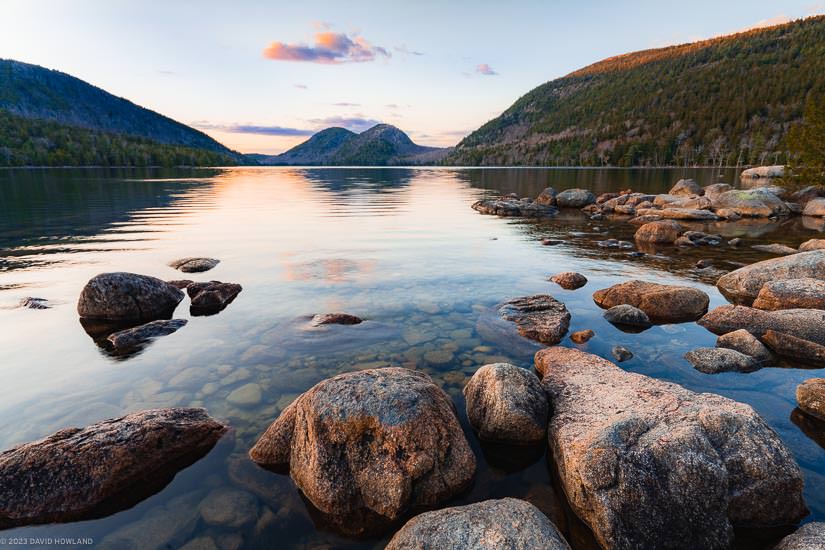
<point x="50" y="118"/>
<point x="728" y="100"/>
<point x="381" y="145"/>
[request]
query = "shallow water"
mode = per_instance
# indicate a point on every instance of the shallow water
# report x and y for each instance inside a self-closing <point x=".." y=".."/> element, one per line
<point x="399" y="247"/>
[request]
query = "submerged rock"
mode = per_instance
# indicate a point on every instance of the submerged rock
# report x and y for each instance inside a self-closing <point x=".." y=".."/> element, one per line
<point x="621" y="354"/>
<point x="75" y="473"/>
<point x="365" y="447"/>
<point x="569" y="280"/>
<point x="628" y="315"/>
<point x="810" y="536"/>
<point x="127" y="297"/>
<point x="229" y="508"/>
<point x="791" y="294"/>
<point x="507" y="523"/>
<point x="810" y="395"/>
<point x="649" y="464"/>
<point x="661" y="303"/>
<point x="659" y="232"/>
<point x="335" y="319"/>
<point x="743" y="285"/>
<point x="716" y="360"/>
<point x="212" y="297"/>
<point x="134" y="337"/>
<point x="194" y="265"/>
<point x="575" y="198"/>
<point x="540" y="317"/>
<point x="744" y="342"/>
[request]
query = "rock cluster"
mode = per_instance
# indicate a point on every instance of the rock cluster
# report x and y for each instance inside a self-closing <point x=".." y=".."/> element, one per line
<point x="512" y="205"/>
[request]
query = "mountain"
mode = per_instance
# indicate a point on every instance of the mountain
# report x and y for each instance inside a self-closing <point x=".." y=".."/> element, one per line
<point x="728" y="100"/>
<point x="381" y="145"/>
<point x="48" y="117"/>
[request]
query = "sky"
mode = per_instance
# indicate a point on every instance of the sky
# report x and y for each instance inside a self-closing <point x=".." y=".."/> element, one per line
<point x="263" y="76"/>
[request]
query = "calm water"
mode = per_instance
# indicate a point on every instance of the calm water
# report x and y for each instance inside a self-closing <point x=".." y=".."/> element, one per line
<point x="398" y="247"/>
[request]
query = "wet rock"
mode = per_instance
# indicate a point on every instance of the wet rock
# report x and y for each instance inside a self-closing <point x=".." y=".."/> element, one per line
<point x="180" y="283"/>
<point x="810" y="536"/>
<point x="791" y="293"/>
<point x="757" y="172"/>
<point x="812" y="244"/>
<point x="659" y="232"/>
<point x="86" y="472"/>
<point x="716" y="360"/>
<point x="795" y="348"/>
<point x="743" y="285"/>
<point x="628" y="315"/>
<point x="488" y="525"/>
<point x="30" y="302"/>
<point x="507" y="404"/>
<point x="686" y="187"/>
<point x="540" y="317"/>
<point x="247" y="395"/>
<point x="364" y="447"/>
<point x="775" y="248"/>
<point x="212" y="297"/>
<point x="582" y="336"/>
<point x="569" y="280"/>
<point x="127" y="297"/>
<point x="135" y="337"/>
<point x="661" y="303"/>
<point x="229" y="508"/>
<point x="810" y="395"/>
<point x="547" y="197"/>
<point x="751" y="203"/>
<point x="649" y="464"/>
<point x="514" y="207"/>
<point x="621" y="354"/>
<point x="575" y="198"/>
<point x="814" y="207"/>
<point x="744" y="342"/>
<point x="335" y="319"/>
<point x="194" y="265"/>
<point x="807" y="324"/>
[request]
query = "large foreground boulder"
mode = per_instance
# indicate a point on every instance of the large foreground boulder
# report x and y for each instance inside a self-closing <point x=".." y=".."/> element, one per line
<point x="810" y="536"/>
<point x="791" y="294"/>
<point x="507" y="523"/>
<point x="506" y="404"/>
<point x="661" y="303"/>
<point x="78" y="473"/>
<point x="540" y="317"/>
<point x="365" y="447"/>
<point x="649" y="464"/>
<point x="743" y="285"/>
<point x="127" y="297"/>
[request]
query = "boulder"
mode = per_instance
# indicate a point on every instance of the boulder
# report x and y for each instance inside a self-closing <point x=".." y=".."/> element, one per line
<point x="751" y="203"/>
<point x="335" y="319"/>
<point x="776" y="171"/>
<point x="661" y="303"/>
<point x="569" y="280"/>
<point x="744" y="342"/>
<point x="810" y="536"/>
<point x="812" y="244"/>
<point x="506" y="404"/>
<point x="76" y="472"/>
<point x="743" y="285"/>
<point x="794" y="347"/>
<point x="507" y="523"/>
<point x="814" y="207"/>
<point x="650" y="464"/>
<point x="716" y="360"/>
<point x="810" y="395"/>
<point x="212" y="297"/>
<point x="686" y="187"/>
<point x="659" y="232"/>
<point x="582" y="336"/>
<point x="30" y="302"/>
<point x="547" y="197"/>
<point x="510" y="206"/>
<point x="540" y="317"/>
<point x="628" y="315"/>
<point x="575" y="198"/>
<point x="194" y="265"/>
<point x="127" y="297"/>
<point x="366" y="446"/>
<point x="714" y="190"/>
<point x="807" y="324"/>
<point x="804" y="293"/>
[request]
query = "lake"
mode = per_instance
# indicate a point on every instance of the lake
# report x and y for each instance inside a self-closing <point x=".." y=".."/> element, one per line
<point x="400" y="248"/>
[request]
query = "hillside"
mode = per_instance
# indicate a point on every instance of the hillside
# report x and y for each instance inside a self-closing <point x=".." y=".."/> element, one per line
<point x="728" y="100"/>
<point x="381" y="145"/>
<point x="51" y="118"/>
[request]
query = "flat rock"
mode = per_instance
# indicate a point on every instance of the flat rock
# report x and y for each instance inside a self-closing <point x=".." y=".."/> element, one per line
<point x="335" y="319"/>
<point x="795" y="348"/>
<point x="134" y="337"/>
<point x="775" y="248"/>
<point x="807" y="324"/>
<point x="804" y="293"/>
<point x="687" y="214"/>
<point x="716" y="360"/>
<point x="127" y="297"/>
<point x="506" y="404"/>
<point x="810" y="536"/>
<point x="810" y="395"/>
<point x="569" y="280"/>
<point x="366" y="446"/>
<point x="628" y="315"/>
<point x="509" y="207"/>
<point x="194" y="265"/>
<point x="742" y="285"/>
<point x="650" y="464"/>
<point x="212" y="297"/>
<point x="686" y="187"/>
<point x="540" y="317"/>
<point x="744" y="342"/>
<point x="575" y="198"/>
<point x="812" y="244"/>
<point x="76" y="472"/>
<point x="507" y="523"/>
<point x="659" y="232"/>
<point x="814" y="207"/>
<point x="661" y="303"/>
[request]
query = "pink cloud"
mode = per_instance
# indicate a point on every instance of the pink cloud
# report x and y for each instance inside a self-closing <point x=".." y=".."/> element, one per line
<point x="485" y="69"/>
<point x="330" y="48"/>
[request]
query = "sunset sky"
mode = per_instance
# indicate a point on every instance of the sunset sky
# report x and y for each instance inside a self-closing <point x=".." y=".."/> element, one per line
<point x="263" y="76"/>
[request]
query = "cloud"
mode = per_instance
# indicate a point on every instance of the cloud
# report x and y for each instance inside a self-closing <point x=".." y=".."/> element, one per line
<point x="330" y="48"/>
<point x="485" y="69"/>
<point x="346" y="104"/>
<point x="301" y="86"/>
<point x="357" y="123"/>
<point x="402" y="49"/>
<point x="253" y="129"/>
